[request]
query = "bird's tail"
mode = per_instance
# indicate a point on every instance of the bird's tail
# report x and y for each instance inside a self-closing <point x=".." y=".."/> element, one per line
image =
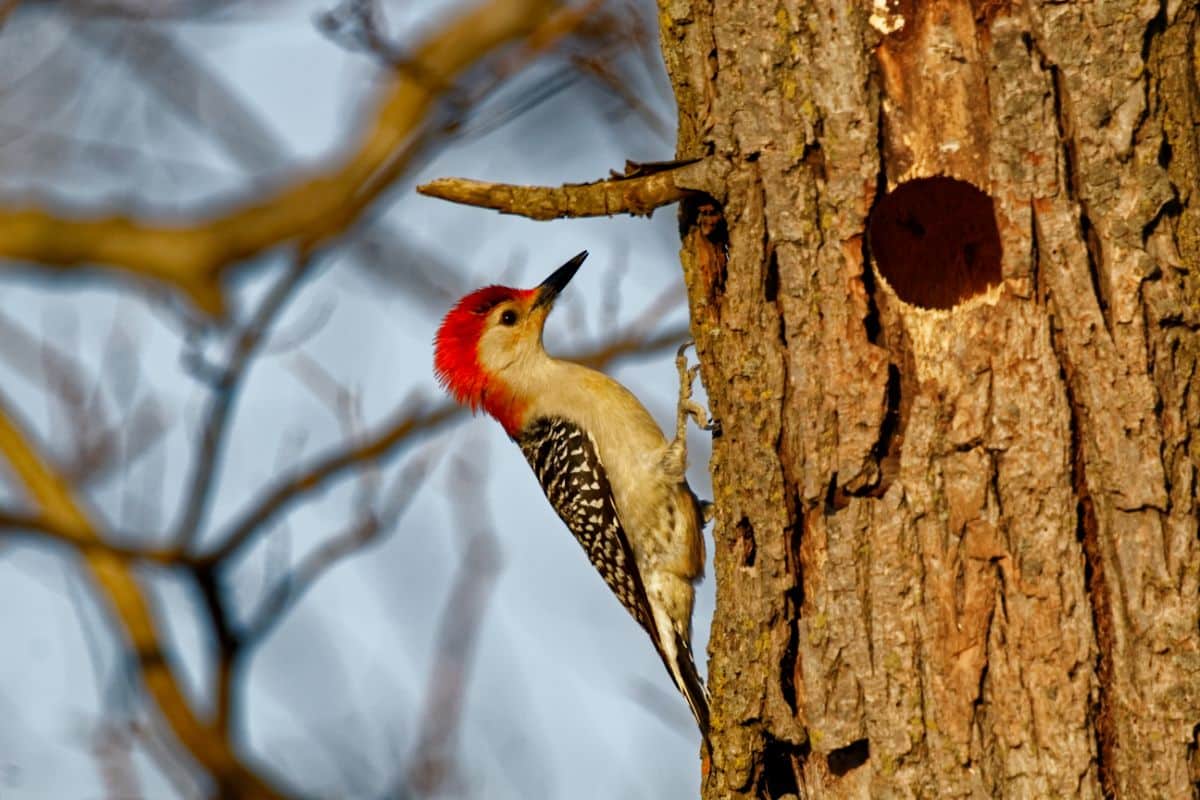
<point x="689" y="683"/>
<point x="676" y="653"/>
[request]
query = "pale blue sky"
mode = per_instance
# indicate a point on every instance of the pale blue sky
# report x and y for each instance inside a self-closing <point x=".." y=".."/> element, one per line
<point x="556" y="704"/>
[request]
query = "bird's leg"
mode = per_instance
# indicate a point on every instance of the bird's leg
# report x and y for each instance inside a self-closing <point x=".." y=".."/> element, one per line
<point x="675" y="459"/>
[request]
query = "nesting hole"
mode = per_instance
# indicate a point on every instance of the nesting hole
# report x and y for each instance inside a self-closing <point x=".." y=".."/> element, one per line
<point x="935" y="241"/>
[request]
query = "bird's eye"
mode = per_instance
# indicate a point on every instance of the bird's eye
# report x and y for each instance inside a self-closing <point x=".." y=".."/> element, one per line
<point x="509" y="317"/>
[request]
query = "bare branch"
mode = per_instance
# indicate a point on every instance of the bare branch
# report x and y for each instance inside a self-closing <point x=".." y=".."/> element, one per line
<point x="387" y="443"/>
<point x="132" y="609"/>
<point x="97" y="440"/>
<point x="371" y="524"/>
<point x="458" y="632"/>
<point x="191" y="257"/>
<point x="359" y="25"/>
<point x="64" y="376"/>
<point x="141" y="429"/>
<point x="17" y="524"/>
<point x="636" y="343"/>
<point x="205" y="470"/>
<point x="426" y="279"/>
<point x="305" y="480"/>
<point x="190" y="89"/>
<point x="604" y="73"/>
<point x="112" y="747"/>
<point x="639" y="191"/>
<point x="208" y="581"/>
<point x="225" y="389"/>
<point x="165" y="756"/>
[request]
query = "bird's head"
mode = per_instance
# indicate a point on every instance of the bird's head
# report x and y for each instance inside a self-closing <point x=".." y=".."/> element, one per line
<point x="491" y="333"/>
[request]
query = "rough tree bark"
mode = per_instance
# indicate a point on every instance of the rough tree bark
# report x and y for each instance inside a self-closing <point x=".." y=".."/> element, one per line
<point x="957" y="542"/>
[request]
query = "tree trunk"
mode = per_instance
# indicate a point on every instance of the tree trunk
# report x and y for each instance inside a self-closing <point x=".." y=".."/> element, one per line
<point x="956" y="479"/>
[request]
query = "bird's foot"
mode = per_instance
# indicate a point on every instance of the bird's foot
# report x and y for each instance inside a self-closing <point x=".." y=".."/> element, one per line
<point x="687" y="406"/>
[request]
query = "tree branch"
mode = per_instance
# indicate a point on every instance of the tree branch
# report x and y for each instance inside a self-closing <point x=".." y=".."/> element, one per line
<point x="458" y="633"/>
<point x="116" y="579"/>
<point x="387" y="443"/>
<point x="192" y="257"/>
<point x="300" y="483"/>
<point x="371" y="523"/>
<point x="225" y="389"/>
<point x="643" y="188"/>
<point x="305" y="480"/>
<point x="17" y="524"/>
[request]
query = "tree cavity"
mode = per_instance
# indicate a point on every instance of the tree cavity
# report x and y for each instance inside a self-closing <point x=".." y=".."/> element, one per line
<point x="935" y="241"/>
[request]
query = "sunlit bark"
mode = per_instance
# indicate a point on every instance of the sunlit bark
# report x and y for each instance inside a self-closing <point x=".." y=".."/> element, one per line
<point x="956" y="539"/>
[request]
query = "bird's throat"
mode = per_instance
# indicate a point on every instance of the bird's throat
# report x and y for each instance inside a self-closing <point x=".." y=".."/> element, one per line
<point x="499" y="400"/>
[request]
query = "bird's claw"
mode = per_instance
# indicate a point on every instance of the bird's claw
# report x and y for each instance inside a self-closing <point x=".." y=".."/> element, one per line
<point x="687" y="406"/>
<point x="686" y="375"/>
<point x="698" y="415"/>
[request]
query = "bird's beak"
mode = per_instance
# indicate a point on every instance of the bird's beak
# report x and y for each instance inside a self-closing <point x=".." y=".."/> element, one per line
<point x="550" y="288"/>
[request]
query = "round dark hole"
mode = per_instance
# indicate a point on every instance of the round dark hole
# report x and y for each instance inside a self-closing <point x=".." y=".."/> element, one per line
<point x="935" y="241"/>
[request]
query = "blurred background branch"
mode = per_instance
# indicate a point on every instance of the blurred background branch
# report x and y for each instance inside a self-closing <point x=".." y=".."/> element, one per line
<point x="308" y="211"/>
<point x="217" y="492"/>
<point x="211" y="748"/>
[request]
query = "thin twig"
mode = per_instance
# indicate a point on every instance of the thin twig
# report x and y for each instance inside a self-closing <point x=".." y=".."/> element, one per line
<point x="181" y="81"/>
<point x="462" y="619"/>
<point x="171" y="765"/>
<point x="112" y="747"/>
<point x="63" y="374"/>
<point x="132" y="608"/>
<point x="597" y="67"/>
<point x="386" y="444"/>
<point x="191" y="257"/>
<point x="359" y="24"/>
<point x="224" y="392"/>
<point x="17" y="524"/>
<point x="371" y="524"/>
<point x="307" y="479"/>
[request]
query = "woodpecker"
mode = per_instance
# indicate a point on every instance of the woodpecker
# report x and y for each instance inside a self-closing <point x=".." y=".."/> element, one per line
<point x="601" y="459"/>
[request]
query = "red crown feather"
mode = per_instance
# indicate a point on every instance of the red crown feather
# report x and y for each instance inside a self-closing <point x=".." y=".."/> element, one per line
<point x="456" y="355"/>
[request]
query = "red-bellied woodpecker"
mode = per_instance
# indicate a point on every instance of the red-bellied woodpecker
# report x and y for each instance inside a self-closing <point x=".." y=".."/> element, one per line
<point x="601" y="459"/>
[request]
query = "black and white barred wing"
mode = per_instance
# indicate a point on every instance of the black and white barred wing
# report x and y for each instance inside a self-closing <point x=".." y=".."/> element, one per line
<point x="564" y="458"/>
